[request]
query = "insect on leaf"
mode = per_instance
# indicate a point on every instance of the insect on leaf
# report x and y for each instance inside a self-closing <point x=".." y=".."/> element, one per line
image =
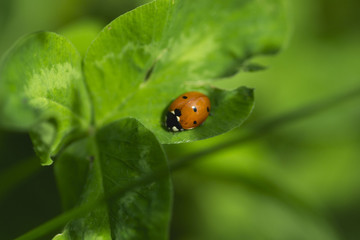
<point x="144" y="59"/>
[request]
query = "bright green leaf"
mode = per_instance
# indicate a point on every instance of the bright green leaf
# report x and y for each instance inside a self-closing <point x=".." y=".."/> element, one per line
<point x="42" y="91"/>
<point x="144" y="59"/>
<point x="121" y="152"/>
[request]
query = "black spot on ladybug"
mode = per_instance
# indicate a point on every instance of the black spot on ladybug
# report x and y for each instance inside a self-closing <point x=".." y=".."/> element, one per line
<point x="184" y="97"/>
<point x="194" y="108"/>
<point x="177" y="112"/>
<point x="195" y="122"/>
<point x="208" y="109"/>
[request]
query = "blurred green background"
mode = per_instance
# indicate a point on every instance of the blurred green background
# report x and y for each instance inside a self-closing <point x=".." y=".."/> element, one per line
<point x="299" y="182"/>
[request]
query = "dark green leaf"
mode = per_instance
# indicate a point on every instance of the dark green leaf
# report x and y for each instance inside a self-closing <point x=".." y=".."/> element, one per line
<point x="121" y="152"/>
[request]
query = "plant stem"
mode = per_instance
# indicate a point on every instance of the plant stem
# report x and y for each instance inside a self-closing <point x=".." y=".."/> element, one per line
<point x="264" y="128"/>
<point x="258" y="131"/>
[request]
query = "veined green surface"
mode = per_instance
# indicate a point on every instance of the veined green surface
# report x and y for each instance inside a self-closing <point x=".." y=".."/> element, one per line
<point x="144" y="59"/>
<point x="121" y="152"/>
<point x="42" y="90"/>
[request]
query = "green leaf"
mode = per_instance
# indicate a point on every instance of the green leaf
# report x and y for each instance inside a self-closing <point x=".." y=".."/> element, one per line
<point x="82" y="33"/>
<point x="42" y="91"/>
<point x="144" y="59"/>
<point x="120" y="153"/>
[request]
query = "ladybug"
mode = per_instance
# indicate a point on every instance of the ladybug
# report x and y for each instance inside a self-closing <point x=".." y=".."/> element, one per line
<point x="187" y="111"/>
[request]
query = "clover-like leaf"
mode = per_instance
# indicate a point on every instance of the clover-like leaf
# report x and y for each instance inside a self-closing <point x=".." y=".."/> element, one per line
<point x="120" y="153"/>
<point x="144" y="59"/>
<point x="42" y="91"/>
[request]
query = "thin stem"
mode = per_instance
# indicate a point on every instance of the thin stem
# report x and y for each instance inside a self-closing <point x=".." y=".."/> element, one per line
<point x="264" y="128"/>
<point x="258" y="131"/>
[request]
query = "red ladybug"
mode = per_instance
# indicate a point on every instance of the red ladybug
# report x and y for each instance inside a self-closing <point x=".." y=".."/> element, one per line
<point x="187" y="111"/>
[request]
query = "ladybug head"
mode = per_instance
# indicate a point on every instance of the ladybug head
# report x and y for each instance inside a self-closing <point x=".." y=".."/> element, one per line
<point x="173" y="121"/>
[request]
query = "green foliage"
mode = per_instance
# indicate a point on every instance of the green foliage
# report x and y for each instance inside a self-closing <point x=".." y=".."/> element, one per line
<point x="144" y="59"/>
<point x="82" y="33"/>
<point x="121" y="152"/>
<point x="115" y="102"/>
<point x="42" y="90"/>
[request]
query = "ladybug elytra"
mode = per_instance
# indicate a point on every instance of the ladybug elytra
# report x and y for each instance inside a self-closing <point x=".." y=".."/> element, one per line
<point x="187" y="111"/>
